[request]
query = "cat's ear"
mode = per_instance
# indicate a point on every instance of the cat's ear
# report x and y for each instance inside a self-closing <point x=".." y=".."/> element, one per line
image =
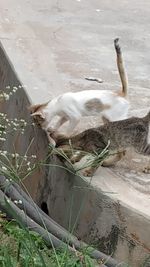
<point x="105" y="120"/>
<point x="33" y="108"/>
<point x="38" y="113"/>
<point x="37" y="107"/>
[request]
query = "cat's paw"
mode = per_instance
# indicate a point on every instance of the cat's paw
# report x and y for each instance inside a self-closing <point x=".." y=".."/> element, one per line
<point x="51" y="140"/>
<point x="146" y="170"/>
<point x="52" y="143"/>
<point x="88" y="172"/>
<point x="51" y="130"/>
<point x="76" y="157"/>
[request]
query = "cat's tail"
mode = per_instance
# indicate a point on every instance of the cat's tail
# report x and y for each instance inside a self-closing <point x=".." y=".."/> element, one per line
<point x="121" y="69"/>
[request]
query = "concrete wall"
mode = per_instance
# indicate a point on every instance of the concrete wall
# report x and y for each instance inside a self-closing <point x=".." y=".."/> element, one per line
<point x="95" y="216"/>
<point x="72" y="201"/>
<point x="16" y="107"/>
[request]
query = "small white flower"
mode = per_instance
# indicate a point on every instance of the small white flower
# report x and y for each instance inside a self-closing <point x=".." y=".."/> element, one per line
<point x="33" y="156"/>
<point x="3" y="152"/>
<point x="2" y="139"/>
<point x="4" y="168"/>
<point x="6" y="96"/>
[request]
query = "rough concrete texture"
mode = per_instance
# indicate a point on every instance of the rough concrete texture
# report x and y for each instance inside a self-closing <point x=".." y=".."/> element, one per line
<point x="53" y="45"/>
<point x="33" y="141"/>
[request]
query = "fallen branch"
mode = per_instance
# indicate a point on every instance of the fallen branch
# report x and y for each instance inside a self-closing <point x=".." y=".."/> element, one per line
<point x="93" y="79"/>
<point x="32" y="216"/>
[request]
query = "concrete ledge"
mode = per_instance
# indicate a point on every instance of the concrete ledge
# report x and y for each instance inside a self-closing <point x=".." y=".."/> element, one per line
<point x="53" y="45"/>
<point x="96" y="214"/>
<point x="94" y="210"/>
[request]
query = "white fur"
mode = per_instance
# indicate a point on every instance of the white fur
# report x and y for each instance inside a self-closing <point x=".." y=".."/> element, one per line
<point x="71" y="107"/>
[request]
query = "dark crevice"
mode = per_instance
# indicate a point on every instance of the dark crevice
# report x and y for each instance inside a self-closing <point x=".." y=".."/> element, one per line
<point x="44" y="207"/>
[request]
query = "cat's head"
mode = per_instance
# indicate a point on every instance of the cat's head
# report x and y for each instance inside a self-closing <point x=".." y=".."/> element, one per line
<point x="38" y="114"/>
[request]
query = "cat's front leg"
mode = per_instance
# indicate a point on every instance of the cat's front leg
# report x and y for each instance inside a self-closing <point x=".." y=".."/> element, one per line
<point x="76" y="157"/>
<point x="110" y="161"/>
<point x="146" y="170"/>
<point x="89" y="172"/>
<point x="146" y="150"/>
<point x="50" y="139"/>
<point x="72" y="124"/>
<point x="59" y="123"/>
<point x="113" y="159"/>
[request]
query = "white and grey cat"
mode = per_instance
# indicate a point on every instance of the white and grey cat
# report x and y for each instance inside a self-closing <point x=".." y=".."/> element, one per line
<point x="71" y="107"/>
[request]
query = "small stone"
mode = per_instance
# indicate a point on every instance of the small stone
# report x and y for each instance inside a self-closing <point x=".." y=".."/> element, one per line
<point x="136" y="160"/>
<point x="129" y="175"/>
<point x="146" y="170"/>
<point x="7" y="20"/>
<point x="133" y="171"/>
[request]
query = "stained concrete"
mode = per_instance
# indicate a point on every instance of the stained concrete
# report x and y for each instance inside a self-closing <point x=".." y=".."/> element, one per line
<point x="53" y="45"/>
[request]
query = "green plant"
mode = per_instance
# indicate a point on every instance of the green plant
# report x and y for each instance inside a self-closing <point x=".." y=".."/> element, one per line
<point x="92" y="159"/>
<point x="26" y="248"/>
<point x="19" y="246"/>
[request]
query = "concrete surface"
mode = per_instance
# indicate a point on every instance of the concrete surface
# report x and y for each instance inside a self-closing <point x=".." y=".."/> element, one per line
<point x="53" y="45"/>
<point x="34" y="139"/>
